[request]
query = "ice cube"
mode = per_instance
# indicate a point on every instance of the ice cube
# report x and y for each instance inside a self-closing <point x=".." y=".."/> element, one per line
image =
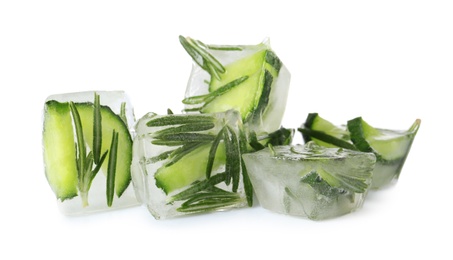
<point x="172" y="170"/>
<point x="248" y="78"/>
<point x="310" y="180"/>
<point x="81" y="133"/>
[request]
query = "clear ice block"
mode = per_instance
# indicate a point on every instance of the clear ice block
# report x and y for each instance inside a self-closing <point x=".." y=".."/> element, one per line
<point x="87" y="148"/>
<point x="188" y="163"/>
<point x="310" y="181"/>
<point x="248" y="78"/>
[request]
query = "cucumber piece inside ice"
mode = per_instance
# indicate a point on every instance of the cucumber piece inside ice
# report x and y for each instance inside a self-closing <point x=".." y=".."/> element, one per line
<point x="325" y="133"/>
<point x="251" y="96"/>
<point x="110" y="122"/>
<point x="389" y="145"/>
<point x="60" y="146"/>
<point x="188" y="169"/>
<point x="59" y="150"/>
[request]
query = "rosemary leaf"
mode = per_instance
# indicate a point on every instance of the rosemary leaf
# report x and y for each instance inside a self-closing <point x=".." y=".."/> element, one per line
<point x="212" y="71"/>
<point x="186" y="137"/>
<point x="193" y="109"/>
<point x="160" y="157"/>
<point x="111" y="170"/>
<point x="248" y="187"/>
<point x="97" y="129"/>
<point x="195" y="127"/>
<point x="209" y="202"/>
<point x="199" y="186"/>
<point x="212" y="152"/>
<point x="229" y="158"/>
<point x="123" y="113"/>
<point x="254" y="143"/>
<point x="207" y="57"/>
<point x="224" y="47"/>
<point x="208" y="197"/>
<point x="179" y="120"/>
<point x="169" y="112"/>
<point x="195" y="55"/>
<point x="98" y="167"/>
<point x="81" y="149"/>
<point x="206" y="99"/>
<point x="182" y="151"/>
<point x="234" y="158"/>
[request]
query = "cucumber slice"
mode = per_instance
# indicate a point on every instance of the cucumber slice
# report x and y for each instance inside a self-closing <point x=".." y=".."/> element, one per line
<point x="325" y="133"/>
<point x="245" y="97"/>
<point x="110" y="122"/>
<point x="59" y="150"/>
<point x="388" y="145"/>
<point x="188" y="169"/>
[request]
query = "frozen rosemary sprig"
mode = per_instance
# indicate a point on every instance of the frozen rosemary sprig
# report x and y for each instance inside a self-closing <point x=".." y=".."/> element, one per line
<point x="85" y="163"/>
<point x="198" y="51"/>
<point x="203" y="100"/>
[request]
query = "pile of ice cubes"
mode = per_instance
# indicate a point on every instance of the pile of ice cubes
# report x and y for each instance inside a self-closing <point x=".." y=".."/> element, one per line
<point x="173" y="171"/>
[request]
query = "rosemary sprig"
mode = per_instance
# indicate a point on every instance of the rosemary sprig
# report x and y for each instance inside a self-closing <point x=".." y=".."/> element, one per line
<point x="183" y="138"/>
<point x="85" y="162"/>
<point x="111" y="169"/>
<point x="198" y="51"/>
<point x="198" y="186"/>
<point x="209" y="201"/>
<point x="179" y="120"/>
<point x="196" y="127"/>
<point x="182" y="151"/>
<point x="207" y="98"/>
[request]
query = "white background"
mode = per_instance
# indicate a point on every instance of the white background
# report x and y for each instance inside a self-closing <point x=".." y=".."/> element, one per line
<point x="387" y="61"/>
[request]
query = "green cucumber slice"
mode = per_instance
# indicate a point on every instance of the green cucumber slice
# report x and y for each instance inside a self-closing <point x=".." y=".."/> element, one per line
<point x="389" y="145"/>
<point x="110" y="122"/>
<point x="325" y="133"/>
<point x="59" y="150"/>
<point x="245" y="97"/>
<point x="190" y="168"/>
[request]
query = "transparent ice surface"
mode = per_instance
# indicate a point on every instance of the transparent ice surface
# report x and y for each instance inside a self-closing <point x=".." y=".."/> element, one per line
<point x="96" y="198"/>
<point x="159" y="182"/>
<point x="270" y="118"/>
<point x="310" y="181"/>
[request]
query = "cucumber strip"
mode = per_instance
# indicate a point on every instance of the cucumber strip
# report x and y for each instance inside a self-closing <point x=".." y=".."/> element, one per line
<point x="59" y="150"/>
<point x="325" y="133"/>
<point x="388" y="145"/>
<point x="317" y="136"/>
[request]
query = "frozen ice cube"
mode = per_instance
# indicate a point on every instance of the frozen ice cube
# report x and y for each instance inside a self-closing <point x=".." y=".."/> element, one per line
<point x="310" y="181"/>
<point x="188" y="163"/>
<point x="248" y="78"/>
<point x="81" y="133"/>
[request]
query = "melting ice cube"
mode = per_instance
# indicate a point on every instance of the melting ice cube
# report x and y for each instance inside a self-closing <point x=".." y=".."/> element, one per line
<point x="87" y="146"/>
<point x="188" y="163"/>
<point x="248" y="78"/>
<point x="310" y="181"/>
